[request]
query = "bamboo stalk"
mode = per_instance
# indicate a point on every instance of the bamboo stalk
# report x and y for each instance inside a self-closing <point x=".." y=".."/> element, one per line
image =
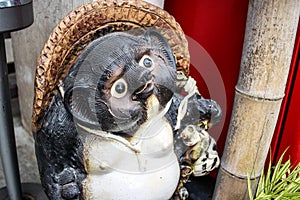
<point x="269" y="40"/>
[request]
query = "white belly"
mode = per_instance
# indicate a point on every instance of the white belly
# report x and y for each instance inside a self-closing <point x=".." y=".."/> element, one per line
<point x="159" y="185"/>
<point x="148" y="169"/>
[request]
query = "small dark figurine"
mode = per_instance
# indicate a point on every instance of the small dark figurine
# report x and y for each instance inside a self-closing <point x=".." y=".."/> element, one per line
<point x="123" y="123"/>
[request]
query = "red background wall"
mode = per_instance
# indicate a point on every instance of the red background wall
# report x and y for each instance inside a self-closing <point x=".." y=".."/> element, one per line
<point x="219" y="27"/>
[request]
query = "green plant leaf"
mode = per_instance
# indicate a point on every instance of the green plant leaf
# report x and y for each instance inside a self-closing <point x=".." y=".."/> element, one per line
<point x="281" y="182"/>
<point x="249" y="187"/>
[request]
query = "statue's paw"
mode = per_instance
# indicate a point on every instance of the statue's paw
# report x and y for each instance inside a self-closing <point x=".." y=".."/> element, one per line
<point x="209" y="159"/>
<point x="70" y="191"/>
<point x="66" y="181"/>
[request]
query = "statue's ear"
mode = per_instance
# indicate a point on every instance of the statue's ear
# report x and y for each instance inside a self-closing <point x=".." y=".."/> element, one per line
<point x="78" y="101"/>
<point x="159" y="41"/>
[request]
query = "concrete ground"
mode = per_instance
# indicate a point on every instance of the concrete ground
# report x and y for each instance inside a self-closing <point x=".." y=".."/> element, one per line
<point x="25" y="149"/>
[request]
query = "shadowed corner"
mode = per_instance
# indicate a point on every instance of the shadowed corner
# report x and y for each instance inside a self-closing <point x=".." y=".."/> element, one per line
<point x="30" y="191"/>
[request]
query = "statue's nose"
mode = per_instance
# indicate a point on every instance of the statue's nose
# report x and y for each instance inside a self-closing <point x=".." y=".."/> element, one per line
<point x="145" y="76"/>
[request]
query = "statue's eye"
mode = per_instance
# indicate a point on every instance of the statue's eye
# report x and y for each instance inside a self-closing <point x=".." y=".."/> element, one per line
<point x="146" y="61"/>
<point x="119" y="88"/>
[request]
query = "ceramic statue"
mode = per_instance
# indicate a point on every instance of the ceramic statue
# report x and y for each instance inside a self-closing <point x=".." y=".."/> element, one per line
<point x="116" y="116"/>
